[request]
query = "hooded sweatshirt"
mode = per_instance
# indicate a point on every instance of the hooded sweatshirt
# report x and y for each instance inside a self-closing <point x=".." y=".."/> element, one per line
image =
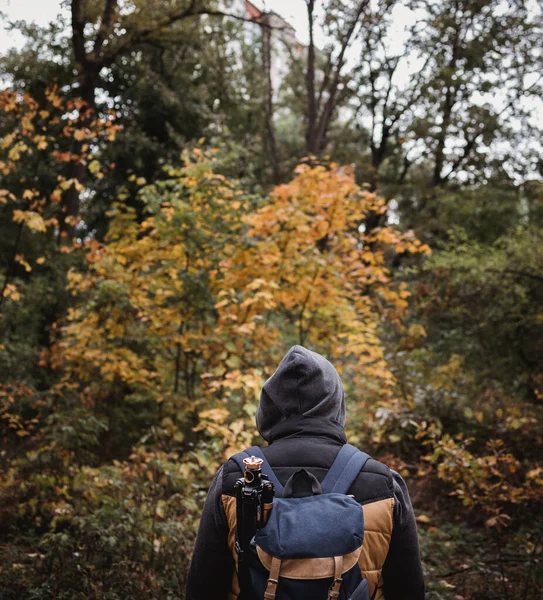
<point x="304" y="384"/>
<point x="301" y="415"/>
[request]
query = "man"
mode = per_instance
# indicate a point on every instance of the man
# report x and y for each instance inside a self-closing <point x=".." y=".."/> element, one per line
<point x="302" y="416"/>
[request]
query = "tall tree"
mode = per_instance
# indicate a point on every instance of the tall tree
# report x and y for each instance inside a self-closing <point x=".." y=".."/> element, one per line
<point x="328" y="89"/>
<point x="102" y="33"/>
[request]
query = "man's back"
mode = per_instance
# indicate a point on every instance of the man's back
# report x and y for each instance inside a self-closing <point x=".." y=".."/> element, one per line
<point x="390" y="558"/>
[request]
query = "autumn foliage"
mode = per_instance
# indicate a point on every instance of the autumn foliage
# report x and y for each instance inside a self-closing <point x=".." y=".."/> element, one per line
<point x="160" y="334"/>
<point x="192" y="307"/>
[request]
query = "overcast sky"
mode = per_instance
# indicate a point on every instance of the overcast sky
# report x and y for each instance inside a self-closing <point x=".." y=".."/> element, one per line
<point x="294" y="11"/>
<point x="40" y="11"/>
<point x="44" y="11"/>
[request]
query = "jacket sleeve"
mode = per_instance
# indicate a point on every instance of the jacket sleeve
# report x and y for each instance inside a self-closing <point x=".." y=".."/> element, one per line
<point x="212" y="565"/>
<point x="402" y="571"/>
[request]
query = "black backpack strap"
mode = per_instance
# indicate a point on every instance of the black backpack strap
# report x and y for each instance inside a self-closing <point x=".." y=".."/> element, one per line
<point x="348" y="464"/>
<point x="266" y="469"/>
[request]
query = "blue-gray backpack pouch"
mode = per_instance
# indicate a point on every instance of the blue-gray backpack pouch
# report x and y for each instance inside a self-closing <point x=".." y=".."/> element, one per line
<point x="310" y="546"/>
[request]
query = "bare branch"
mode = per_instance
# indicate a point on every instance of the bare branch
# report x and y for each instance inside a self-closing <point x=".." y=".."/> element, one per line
<point x="105" y="25"/>
<point x="144" y="34"/>
<point x="329" y="106"/>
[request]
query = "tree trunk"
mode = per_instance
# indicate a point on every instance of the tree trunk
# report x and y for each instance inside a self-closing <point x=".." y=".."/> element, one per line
<point x="87" y="78"/>
<point x="270" y="139"/>
<point x="76" y="170"/>
<point x="311" y="131"/>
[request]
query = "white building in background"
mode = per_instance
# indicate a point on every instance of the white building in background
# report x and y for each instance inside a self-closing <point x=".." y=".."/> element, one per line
<point x="274" y="30"/>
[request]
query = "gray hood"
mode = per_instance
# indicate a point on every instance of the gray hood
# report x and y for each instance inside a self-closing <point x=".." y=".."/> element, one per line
<point x="305" y="383"/>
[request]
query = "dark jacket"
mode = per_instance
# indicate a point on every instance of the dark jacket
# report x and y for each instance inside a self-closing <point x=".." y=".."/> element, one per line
<point x="302" y="436"/>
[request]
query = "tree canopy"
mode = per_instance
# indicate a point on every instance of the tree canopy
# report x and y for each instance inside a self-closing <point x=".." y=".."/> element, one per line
<point x="187" y="190"/>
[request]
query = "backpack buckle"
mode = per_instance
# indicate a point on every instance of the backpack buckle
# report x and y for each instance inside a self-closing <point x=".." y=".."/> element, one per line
<point x="333" y="593"/>
<point x="273" y="580"/>
<point x="271" y="589"/>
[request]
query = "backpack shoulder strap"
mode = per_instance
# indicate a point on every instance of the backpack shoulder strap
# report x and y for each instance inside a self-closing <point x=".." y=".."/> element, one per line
<point x="266" y="468"/>
<point x="348" y="464"/>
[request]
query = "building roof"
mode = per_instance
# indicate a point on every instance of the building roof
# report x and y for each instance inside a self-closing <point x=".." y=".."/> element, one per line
<point x="255" y="13"/>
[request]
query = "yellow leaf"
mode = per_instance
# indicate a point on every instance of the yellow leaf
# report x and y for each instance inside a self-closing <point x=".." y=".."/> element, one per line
<point x="31" y="219"/>
<point x="94" y="166"/>
<point x="8" y="139"/>
<point x="11" y="292"/>
<point x="56" y="196"/>
<point x="446" y="585"/>
<point x="17" y="150"/>
<point x="423" y="519"/>
<point x="41" y="142"/>
<point x="5" y="195"/>
<point x="21" y="260"/>
<point x="72" y="220"/>
<point x="159" y="510"/>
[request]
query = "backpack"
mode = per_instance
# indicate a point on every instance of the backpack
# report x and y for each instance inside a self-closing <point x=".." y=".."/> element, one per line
<point x="310" y="545"/>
